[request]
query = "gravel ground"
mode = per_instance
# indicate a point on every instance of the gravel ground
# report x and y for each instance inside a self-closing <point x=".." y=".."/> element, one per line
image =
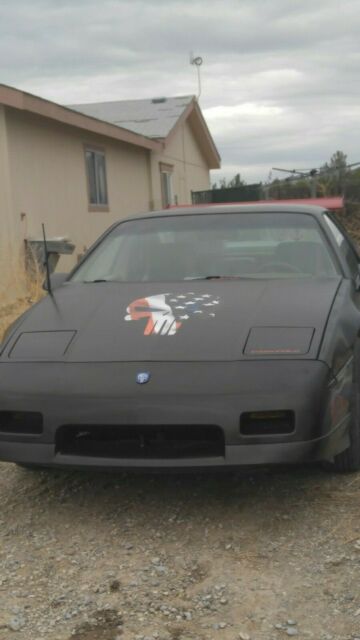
<point x="261" y="555"/>
<point x="253" y="556"/>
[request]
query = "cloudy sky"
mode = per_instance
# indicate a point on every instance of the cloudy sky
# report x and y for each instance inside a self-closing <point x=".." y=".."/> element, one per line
<point x="280" y="78"/>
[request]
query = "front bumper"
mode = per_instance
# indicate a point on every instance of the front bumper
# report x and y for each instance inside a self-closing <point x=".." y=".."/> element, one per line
<point x="186" y="394"/>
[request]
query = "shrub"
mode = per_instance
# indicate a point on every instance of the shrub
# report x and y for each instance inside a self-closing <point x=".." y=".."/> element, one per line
<point x="20" y="287"/>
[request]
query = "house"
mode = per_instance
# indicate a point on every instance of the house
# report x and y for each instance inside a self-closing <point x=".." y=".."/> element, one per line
<point x="80" y="168"/>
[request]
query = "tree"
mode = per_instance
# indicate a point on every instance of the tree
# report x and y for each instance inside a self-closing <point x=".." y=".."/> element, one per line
<point x="236" y="181"/>
<point x="333" y="175"/>
<point x="338" y="160"/>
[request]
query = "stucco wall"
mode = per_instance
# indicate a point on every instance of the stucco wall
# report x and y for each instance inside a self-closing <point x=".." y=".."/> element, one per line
<point x="49" y="182"/>
<point x="44" y="179"/>
<point x="191" y="171"/>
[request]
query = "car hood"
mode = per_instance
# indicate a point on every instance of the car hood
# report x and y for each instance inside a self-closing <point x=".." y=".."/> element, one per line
<point x="189" y="321"/>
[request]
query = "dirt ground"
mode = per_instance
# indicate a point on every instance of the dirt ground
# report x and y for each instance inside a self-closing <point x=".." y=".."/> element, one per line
<point x="263" y="555"/>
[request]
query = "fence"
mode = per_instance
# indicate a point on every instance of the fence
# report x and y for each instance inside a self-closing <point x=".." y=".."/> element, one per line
<point x="278" y="190"/>
<point x="250" y="192"/>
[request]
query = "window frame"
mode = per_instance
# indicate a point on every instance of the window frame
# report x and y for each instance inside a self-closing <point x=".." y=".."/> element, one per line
<point x="166" y="170"/>
<point x="97" y="150"/>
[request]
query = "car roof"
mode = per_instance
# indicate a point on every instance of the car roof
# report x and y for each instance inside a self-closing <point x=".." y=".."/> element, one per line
<point x="313" y="210"/>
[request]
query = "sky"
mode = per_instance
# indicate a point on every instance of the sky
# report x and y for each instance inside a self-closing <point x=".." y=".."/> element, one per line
<point x="280" y="78"/>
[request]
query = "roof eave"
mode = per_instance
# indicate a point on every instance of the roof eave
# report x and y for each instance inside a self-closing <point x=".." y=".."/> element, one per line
<point x="214" y="156"/>
<point x="205" y="140"/>
<point x="16" y="99"/>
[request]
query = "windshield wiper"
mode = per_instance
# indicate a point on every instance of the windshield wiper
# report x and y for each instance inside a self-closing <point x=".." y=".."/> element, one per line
<point x="216" y="278"/>
<point x="186" y="279"/>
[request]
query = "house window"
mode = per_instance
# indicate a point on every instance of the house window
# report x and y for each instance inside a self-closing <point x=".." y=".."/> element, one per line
<point x="166" y="172"/>
<point x="96" y="176"/>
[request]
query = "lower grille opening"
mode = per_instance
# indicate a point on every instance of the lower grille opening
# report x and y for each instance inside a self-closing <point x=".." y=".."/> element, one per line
<point x="267" y="423"/>
<point x="164" y="441"/>
<point x="21" y="422"/>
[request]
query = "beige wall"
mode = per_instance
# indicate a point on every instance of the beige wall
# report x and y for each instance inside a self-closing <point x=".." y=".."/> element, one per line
<point x="49" y="181"/>
<point x="191" y="171"/>
<point x="44" y="179"/>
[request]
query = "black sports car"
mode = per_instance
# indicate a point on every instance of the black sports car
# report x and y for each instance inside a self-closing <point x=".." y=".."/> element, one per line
<point x="200" y="337"/>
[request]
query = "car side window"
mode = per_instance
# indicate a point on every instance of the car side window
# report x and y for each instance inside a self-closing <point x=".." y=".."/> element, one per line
<point x="345" y="247"/>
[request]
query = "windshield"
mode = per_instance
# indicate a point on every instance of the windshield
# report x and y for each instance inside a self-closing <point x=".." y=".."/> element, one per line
<point x="175" y="248"/>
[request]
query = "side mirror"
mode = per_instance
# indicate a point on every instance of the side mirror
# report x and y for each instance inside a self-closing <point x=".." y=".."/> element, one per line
<point x="56" y="279"/>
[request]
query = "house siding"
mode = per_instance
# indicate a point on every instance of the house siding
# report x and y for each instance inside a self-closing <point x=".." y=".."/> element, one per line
<point x="43" y="179"/>
<point x="47" y="167"/>
<point x="190" y="168"/>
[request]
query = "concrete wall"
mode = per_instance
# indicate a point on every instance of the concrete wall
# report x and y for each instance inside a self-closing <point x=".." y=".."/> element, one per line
<point x="191" y="171"/>
<point x="49" y="182"/>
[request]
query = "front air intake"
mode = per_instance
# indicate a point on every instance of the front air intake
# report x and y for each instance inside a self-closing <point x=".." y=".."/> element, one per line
<point x="141" y="442"/>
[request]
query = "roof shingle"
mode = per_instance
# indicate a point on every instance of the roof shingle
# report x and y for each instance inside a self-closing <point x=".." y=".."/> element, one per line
<point x="152" y="118"/>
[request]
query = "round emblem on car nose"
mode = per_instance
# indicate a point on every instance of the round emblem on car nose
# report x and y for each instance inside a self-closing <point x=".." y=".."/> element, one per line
<point x="143" y="377"/>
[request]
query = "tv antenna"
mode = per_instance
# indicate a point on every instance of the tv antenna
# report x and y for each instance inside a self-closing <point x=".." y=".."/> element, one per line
<point x="197" y="62"/>
<point x="46" y="261"/>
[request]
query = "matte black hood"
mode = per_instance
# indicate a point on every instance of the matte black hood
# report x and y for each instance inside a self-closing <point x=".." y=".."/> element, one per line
<point x="188" y="321"/>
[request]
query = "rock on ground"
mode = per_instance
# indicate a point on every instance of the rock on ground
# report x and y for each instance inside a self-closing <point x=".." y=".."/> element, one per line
<point x="254" y="556"/>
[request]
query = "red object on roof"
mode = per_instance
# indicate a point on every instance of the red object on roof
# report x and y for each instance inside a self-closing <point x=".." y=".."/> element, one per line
<point x="336" y="202"/>
<point x="333" y="203"/>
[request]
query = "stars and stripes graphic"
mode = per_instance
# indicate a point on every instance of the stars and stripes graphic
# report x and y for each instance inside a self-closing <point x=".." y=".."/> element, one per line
<point x="165" y="313"/>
